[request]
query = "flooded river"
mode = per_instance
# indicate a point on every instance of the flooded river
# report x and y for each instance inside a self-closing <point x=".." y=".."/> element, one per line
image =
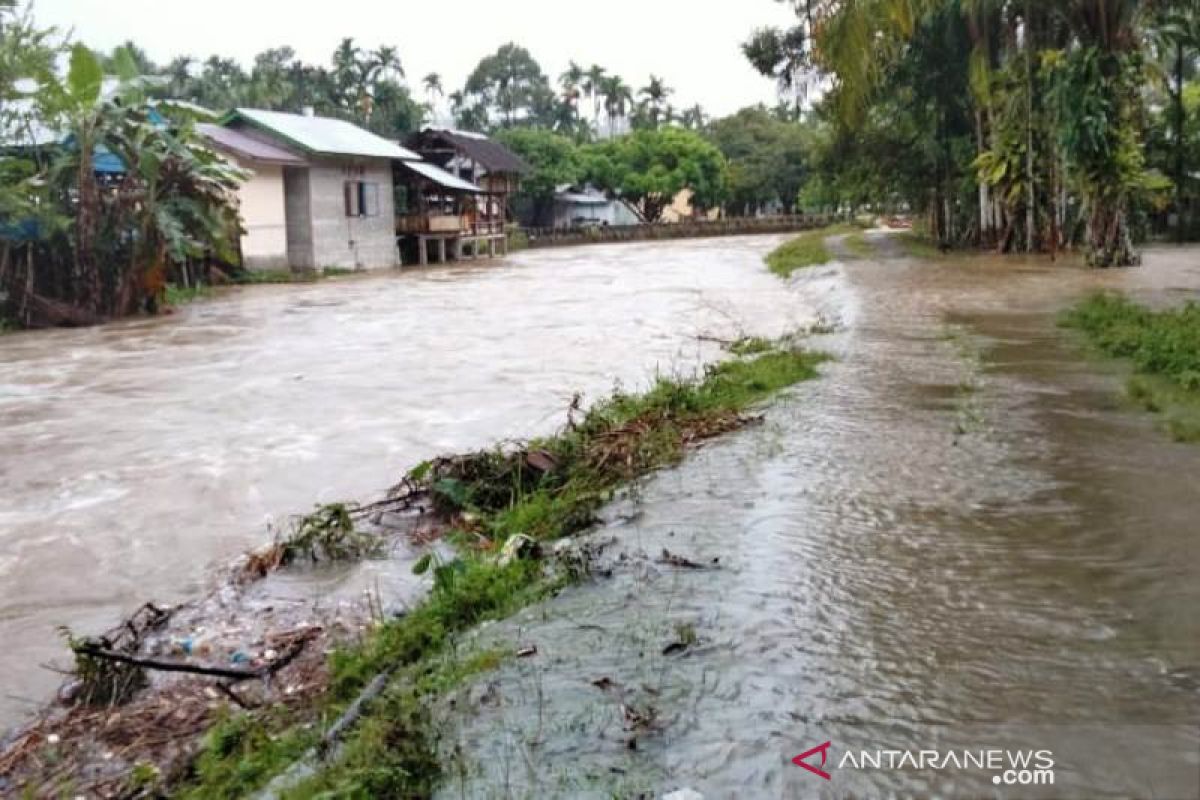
<point x="137" y="457"/>
<point x="958" y="538"/>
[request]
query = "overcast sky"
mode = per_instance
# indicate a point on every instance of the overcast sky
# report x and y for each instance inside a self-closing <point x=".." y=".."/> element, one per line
<point x="693" y="44"/>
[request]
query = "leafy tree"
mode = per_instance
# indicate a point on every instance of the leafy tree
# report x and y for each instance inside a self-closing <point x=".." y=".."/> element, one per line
<point x="649" y="168"/>
<point x="768" y="158"/>
<point x="556" y="161"/>
<point x="508" y="88"/>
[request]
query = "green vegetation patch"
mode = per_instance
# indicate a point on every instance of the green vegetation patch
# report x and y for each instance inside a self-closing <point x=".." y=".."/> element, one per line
<point x="917" y="245"/>
<point x="544" y="490"/>
<point x="806" y="250"/>
<point x="179" y="295"/>
<point x="1163" y="347"/>
<point x="858" y="246"/>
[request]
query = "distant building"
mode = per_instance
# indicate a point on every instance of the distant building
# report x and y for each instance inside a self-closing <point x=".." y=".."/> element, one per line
<point x="321" y="194"/>
<point x="682" y="209"/>
<point x="576" y="206"/>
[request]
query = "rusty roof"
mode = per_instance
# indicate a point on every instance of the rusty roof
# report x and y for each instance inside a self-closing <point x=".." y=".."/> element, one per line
<point x="245" y="147"/>
<point x="488" y="153"/>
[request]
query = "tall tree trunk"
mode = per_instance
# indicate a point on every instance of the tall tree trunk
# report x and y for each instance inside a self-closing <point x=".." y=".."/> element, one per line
<point x="1031" y="198"/>
<point x="88" y="288"/>
<point x="1180" y="135"/>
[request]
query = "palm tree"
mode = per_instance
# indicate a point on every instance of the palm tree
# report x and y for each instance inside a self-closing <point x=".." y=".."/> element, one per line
<point x="693" y="118"/>
<point x="593" y="81"/>
<point x="179" y="76"/>
<point x="433" y="90"/>
<point x="1177" y="35"/>
<point x="618" y="97"/>
<point x="570" y="81"/>
<point x="654" y="95"/>
<point x="387" y="63"/>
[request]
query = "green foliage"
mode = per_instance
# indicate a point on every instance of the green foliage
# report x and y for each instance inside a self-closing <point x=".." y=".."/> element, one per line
<point x="768" y="158"/>
<point x="242" y="752"/>
<point x="1157" y="342"/>
<point x="1163" y="346"/>
<point x="650" y="167"/>
<point x="555" y="160"/>
<point x="328" y="534"/>
<point x="507" y="88"/>
<point x="806" y="250"/>
<point x="179" y="295"/>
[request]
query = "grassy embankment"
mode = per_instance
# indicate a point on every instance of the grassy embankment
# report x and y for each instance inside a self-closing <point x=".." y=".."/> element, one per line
<point x="1162" y="346"/>
<point x="809" y="249"/>
<point x="487" y="499"/>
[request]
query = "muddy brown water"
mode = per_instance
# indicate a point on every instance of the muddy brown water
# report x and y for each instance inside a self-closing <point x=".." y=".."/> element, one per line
<point x="137" y="457"/>
<point x="958" y="538"/>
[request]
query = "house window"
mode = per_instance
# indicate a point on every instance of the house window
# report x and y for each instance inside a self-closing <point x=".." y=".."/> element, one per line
<point x="362" y="199"/>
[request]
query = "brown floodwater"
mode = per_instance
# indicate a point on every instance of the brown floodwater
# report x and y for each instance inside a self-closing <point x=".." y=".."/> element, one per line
<point x="137" y="457"/>
<point x="959" y="537"/>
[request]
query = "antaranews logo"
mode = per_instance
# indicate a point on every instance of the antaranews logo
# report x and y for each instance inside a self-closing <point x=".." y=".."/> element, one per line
<point x="1008" y="767"/>
<point x="823" y="749"/>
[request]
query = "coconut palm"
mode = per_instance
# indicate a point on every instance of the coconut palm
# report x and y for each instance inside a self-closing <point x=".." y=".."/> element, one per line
<point x="571" y="81"/>
<point x="654" y="100"/>
<point x="618" y="99"/>
<point x="592" y="84"/>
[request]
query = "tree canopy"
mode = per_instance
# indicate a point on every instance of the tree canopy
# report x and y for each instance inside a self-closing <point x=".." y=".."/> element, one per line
<point x="648" y="168"/>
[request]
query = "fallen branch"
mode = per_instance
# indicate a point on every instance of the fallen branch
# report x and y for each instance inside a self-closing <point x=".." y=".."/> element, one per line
<point x="93" y="650"/>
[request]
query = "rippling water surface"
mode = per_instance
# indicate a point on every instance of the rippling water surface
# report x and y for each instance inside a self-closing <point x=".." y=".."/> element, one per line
<point x="136" y="456"/>
<point x="957" y="536"/>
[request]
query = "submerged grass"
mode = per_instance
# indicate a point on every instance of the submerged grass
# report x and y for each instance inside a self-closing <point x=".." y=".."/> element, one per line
<point x="917" y="245"/>
<point x="1163" y="347"/>
<point x="180" y="295"/>
<point x="547" y="489"/>
<point x="858" y="245"/>
<point x="806" y="250"/>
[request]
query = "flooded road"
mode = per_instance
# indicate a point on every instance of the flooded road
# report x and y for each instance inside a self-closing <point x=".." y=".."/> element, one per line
<point x="959" y="537"/>
<point x="137" y="457"/>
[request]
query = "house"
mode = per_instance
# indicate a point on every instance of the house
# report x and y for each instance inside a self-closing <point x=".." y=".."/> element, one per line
<point x="587" y="206"/>
<point x="491" y="166"/>
<point x="682" y="210"/>
<point x="458" y="196"/>
<point x="322" y="192"/>
<point x="264" y="243"/>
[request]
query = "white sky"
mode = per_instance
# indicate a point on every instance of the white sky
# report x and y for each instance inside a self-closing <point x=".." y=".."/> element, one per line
<point x="693" y="44"/>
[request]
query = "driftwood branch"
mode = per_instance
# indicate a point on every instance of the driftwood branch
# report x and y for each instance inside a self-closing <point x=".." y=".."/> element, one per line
<point x="235" y="674"/>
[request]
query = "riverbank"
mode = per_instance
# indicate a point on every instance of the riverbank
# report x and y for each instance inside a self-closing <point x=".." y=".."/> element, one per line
<point x="1163" y="348"/>
<point x="139" y="454"/>
<point x="500" y="508"/>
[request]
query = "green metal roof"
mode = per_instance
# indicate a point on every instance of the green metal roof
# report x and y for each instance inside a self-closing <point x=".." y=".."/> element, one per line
<point x="321" y="134"/>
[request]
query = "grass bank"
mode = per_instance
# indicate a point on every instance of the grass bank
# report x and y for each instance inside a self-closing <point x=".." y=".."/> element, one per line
<point x="806" y="250"/>
<point x="500" y="506"/>
<point x="1163" y="348"/>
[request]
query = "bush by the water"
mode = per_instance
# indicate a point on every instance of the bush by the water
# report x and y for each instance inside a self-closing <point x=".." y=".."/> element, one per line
<point x="1163" y="343"/>
<point x="1164" y="348"/>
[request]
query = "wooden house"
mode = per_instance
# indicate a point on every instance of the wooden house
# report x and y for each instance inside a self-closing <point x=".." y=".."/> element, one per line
<point x="474" y="181"/>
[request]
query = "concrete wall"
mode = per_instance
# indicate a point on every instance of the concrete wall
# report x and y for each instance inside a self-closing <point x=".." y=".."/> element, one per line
<point x="261" y="203"/>
<point x="299" y="218"/>
<point x="351" y="242"/>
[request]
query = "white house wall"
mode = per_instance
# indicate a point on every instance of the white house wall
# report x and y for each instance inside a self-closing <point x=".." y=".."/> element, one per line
<point x="261" y="203"/>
